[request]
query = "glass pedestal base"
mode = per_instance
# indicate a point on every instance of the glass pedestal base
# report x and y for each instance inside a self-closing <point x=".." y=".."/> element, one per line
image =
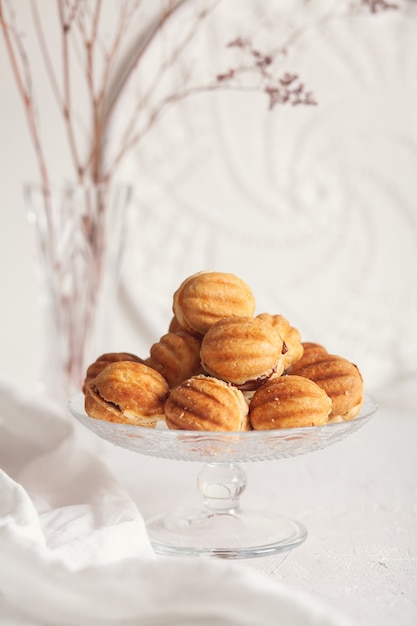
<point x="221" y="527"/>
<point x="241" y="534"/>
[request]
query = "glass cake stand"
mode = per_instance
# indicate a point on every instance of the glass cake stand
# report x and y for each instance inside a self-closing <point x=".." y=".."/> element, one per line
<point x="220" y="527"/>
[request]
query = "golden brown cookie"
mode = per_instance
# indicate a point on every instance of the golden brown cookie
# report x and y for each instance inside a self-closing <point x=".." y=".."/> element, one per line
<point x="103" y="360"/>
<point x="339" y="378"/>
<point x="176" y="356"/>
<point x="293" y="350"/>
<point x="206" y="403"/>
<point x="244" y="351"/>
<point x="206" y="297"/>
<point x="289" y="402"/>
<point x="127" y="392"/>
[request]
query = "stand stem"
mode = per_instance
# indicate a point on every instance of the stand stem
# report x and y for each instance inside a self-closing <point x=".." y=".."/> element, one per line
<point x="221" y="485"/>
<point x="221" y="528"/>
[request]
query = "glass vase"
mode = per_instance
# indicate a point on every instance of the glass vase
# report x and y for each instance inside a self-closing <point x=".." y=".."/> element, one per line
<point x="79" y="235"/>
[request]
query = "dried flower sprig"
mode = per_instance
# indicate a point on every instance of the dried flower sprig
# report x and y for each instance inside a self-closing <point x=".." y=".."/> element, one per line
<point x="284" y="89"/>
<point x="106" y="68"/>
<point x="377" y="6"/>
<point x="100" y="59"/>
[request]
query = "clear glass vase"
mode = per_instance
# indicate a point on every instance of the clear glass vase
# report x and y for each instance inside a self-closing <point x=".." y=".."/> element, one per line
<point x="79" y="235"/>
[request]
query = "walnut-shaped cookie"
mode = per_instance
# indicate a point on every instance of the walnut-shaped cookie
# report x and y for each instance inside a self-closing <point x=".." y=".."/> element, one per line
<point x="289" y="402"/>
<point x="206" y="297"/>
<point x="292" y="337"/>
<point x="206" y="403"/>
<point x="105" y="359"/>
<point x="340" y="379"/>
<point x="127" y="392"/>
<point x="244" y="351"/>
<point x="176" y="356"/>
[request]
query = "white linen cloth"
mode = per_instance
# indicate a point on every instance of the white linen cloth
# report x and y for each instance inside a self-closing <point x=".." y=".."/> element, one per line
<point x="74" y="548"/>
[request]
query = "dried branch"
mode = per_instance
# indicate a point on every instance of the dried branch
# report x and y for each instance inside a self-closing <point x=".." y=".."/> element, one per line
<point x="134" y="55"/>
<point x="66" y="25"/>
<point x="284" y="89"/>
<point x="80" y="21"/>
<point x="22" y="76"/>
<point x="377" y="6"/>
<point x="45" y="54"/>
<point x="130" y="136"/>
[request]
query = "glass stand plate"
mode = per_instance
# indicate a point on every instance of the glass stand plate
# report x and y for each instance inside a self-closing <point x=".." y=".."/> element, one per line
<point x="220" y="528"/>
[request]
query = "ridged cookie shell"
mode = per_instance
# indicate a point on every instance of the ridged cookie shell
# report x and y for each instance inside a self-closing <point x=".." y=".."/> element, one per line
<point x="243" y="351"/>
<point x="290" y="335"/>
<point x="105" y="359"/>
<point x="339" y="378"/>
<point x="127" y="392"/>
<point x="289" y="402"/>
<point x="176" y="356"/>
<point x="206" y="297"/>
<point x="206" y="404"/>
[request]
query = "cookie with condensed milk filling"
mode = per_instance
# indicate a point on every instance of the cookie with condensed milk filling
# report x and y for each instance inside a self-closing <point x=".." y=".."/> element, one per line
<point x="290" y="334"/>
<point x="127" y="392"/>
<point x="244" y="351"/>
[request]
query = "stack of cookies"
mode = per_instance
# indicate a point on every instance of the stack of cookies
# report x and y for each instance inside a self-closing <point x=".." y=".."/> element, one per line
<point x="221" y="367"/>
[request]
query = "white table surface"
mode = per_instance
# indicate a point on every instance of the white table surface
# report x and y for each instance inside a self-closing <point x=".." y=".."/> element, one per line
<point x="357" y="498"/>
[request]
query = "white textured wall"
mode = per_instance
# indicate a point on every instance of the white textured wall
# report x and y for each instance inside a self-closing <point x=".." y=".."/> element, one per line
<point x="314" y="207"/>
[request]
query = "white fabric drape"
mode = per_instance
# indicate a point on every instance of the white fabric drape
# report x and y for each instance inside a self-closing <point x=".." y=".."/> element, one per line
<point x="74" y="548"/>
